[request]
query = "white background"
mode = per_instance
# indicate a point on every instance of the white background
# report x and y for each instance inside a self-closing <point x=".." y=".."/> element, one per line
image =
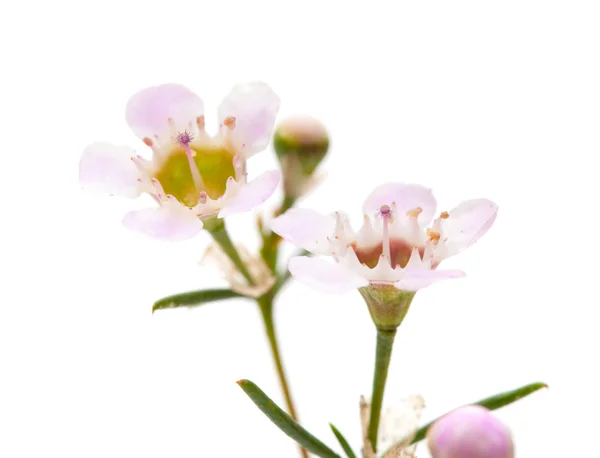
<point x="472" y="98"/>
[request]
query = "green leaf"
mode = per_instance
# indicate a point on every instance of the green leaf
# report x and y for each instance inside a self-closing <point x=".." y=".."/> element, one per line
<point x="194" y="298"/>
<point x="284" y="422"/>
<point x="343" y="442"/>
<point x="492" y="403"/>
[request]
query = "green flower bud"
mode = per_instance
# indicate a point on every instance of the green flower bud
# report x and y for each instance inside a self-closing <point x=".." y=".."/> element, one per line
<point x="301" y="143"/>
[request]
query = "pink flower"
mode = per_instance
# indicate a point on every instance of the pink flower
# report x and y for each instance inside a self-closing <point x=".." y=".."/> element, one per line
<point x="470" y="432"/>
<point x="394" y="247"/>
<point x="192" y="175"/>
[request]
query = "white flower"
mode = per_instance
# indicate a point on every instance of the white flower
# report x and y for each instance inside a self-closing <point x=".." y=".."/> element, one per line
<point x="192" y="175"/>
<point x="394" y="247"/>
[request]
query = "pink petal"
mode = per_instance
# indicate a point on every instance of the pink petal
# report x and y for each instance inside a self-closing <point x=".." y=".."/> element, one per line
<point x="252" y="194"/>
<point x="305" y="228"/>
<point x="406" y="197"/>
<point x="108" y="169"/>
<point x="254" y="107"/>
<point x="149" y="110"/>
<point x="324" y="275"/>
<point x="166" y="223"/>
<point x="467" y="223"/>
<point x="415" y="279"/>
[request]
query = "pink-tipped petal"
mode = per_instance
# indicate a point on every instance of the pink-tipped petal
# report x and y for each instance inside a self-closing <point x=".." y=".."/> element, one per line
<point x="415" y="279"/>
<point x="149" y="110"/>
<point x="470" y="432"/>
<point x="405" y="197"/>
<point x="325" y="276"/>
<point x="306" y="229"/>
<point x="108" y="169"/>
<point x="467" y="223"/>
<point x="254" y="107"/>
<point x="252" y="194"/>
<point x="166" y="223"/>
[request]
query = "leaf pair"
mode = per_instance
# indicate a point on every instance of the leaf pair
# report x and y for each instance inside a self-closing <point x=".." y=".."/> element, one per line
<point x="291" y="428"/>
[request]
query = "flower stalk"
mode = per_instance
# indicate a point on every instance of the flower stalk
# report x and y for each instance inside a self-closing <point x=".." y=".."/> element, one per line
<point x="265" y="302"/>
<point x="219" y="233"/>
<point x="383" y="354"/>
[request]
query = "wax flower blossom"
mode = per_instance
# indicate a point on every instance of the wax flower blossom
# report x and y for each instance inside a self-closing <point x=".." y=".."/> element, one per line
<point x="193" y="177"/>
<point x="393" y="255"/>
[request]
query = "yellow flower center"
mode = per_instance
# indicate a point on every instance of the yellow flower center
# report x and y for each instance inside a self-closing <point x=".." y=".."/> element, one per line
<point x="214" y="163"/>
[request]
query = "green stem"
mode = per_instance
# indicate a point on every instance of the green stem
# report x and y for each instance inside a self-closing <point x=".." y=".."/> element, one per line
<point x="219" y="233"/>
<point x="270" y="248"/>
<point x="265" y="303"/>
<point x="383" y="354"/>
<point x="288" y="202"/>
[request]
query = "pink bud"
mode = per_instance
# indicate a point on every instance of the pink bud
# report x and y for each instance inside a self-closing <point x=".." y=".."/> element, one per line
<point x="470" y="432"/>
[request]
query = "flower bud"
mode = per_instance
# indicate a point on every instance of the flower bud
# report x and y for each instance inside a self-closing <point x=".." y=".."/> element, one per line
<point x="470" y="432"/>
<point x="301" y="143"/>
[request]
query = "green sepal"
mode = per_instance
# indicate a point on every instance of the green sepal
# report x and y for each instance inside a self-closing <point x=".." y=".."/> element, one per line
<point x="387" y="304"/>
<point x="343" y="442"/>
<point x="194" y="298"/>
<point x="284" y="422"/>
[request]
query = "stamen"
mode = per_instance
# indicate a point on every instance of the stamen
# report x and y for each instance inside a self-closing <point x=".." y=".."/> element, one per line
<point x="239" y="165"/>
<point x="444" y="215"/>
<point x="159" y="192"/>
<point x="339" y="224"/>
<point x="386" y="214"/>
<point x="433" y="236"/>
<point x="155" y="149"/>
<point x="200" y="122"/>
<point x="415" y="212"/>
<point x="202" y="197"/>
<point x="229" y="122"/>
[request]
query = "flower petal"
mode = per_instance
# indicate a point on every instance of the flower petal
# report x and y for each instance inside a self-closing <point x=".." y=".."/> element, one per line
<point x="467" y="223"/>
<point x="166" y="222"/>
<point x="108" y="169"/>
<point x="406" y="197"/>
<point x="415" y="279"/>
<point x="306" y="229"/>
<point x="324" y="275"/>
<point x="149" y="110"/>
<point x="254" y="107"/>
<point x="252" y="194"/>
